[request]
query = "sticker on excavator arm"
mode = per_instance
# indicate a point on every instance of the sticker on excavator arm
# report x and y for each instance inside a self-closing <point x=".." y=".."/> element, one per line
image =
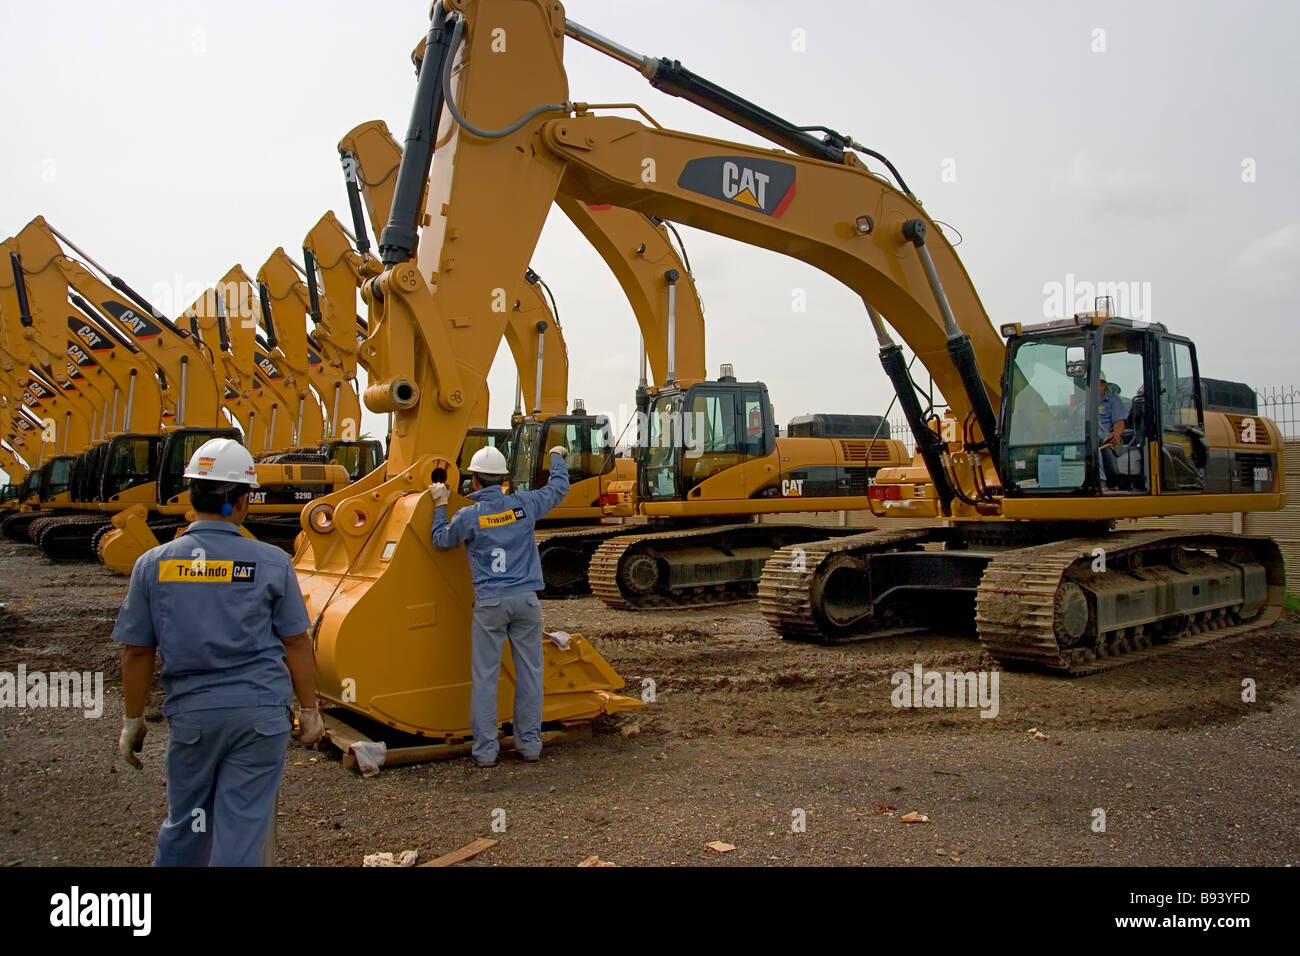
<point x="763" y="185"/>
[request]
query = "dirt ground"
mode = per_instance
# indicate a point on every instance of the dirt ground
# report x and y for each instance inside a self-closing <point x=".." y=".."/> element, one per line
<point x="746" y="731"/>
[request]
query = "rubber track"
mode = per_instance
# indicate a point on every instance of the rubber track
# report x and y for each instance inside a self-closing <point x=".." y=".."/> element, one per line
<point x="595" y="531"/>
<point x="602" y="573"/>
<point x="1031" y="576"/>
<point x="69" y="539"/>
<point x="14" y="527"/>
<point x="785" y="591"/>
<point x="37" y="527"/>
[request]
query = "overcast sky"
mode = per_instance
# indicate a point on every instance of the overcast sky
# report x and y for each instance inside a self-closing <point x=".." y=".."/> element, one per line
<point x="1152" y="143"/>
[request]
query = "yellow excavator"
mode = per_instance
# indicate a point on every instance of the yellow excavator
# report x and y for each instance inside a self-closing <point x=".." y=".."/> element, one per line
<point x="46" y="399"/>
<point x="1024" y="490"/>
<point x="1028" y="470"/>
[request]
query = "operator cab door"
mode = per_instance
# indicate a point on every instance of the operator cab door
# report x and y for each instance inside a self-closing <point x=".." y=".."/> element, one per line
<point x="1122" y="380"/>
<point x="713" y="433"/>
<point x="1184" y="450"/>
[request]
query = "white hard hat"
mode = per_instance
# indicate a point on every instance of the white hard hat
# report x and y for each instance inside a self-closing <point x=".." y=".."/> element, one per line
<point x="488" y="461"/>
<point x="223" y="460"/>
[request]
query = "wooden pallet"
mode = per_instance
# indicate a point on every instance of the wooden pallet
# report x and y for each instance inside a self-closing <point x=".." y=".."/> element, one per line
<point x="343" y="730"/>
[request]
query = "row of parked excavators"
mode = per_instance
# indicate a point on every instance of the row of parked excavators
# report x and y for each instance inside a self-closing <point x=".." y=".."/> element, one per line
<point x="1009" y="503"/>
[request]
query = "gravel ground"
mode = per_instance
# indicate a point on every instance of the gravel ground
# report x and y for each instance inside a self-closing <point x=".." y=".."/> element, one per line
<point x="747" y="735"/>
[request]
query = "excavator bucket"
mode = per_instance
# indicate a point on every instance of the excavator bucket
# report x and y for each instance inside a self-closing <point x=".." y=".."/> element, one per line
<point x="131" y="537"/>
<point x="391" y="618"/>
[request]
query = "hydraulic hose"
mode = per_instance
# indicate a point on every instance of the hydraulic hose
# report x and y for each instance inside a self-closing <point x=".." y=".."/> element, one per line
<point x="457" y="30"/>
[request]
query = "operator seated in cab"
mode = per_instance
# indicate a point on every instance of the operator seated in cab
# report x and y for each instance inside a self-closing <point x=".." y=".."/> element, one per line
<point x="1112" y="418"/>
<point x="497" y="531"/>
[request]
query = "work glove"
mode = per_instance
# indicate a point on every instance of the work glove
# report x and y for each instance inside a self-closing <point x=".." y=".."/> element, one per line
<point x="132" y="740"/>
<point x="311" y="727"/>
<point x="561" y="451"/>
<point x="441" y="494"/>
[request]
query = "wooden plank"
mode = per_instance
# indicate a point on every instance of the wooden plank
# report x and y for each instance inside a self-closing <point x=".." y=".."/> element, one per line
<point x="424" y="752"/>
<point x="343" y="735"/>
<point x="466" y="852"/>
<point x="340" y="734"/>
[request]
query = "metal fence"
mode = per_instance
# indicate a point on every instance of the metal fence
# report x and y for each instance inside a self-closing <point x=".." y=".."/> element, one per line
<point x="1282" y="404"/>
<point x="898" y="428"/>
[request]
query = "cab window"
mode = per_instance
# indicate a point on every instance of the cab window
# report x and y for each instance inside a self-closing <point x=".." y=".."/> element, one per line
<point x="712" y="437"/>
<point x="658" y="460"/>
<point x="1183" y="449"/>
<point x="756" y="444"/>
<point x="1047" y="425"/>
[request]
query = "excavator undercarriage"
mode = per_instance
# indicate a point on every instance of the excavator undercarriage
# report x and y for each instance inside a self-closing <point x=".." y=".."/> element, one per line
<point x="1077" y="604"/>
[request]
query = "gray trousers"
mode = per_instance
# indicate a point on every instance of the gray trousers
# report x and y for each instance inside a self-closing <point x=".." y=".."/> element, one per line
<point x="224" y="768"/>
<point x="517" y="618"/>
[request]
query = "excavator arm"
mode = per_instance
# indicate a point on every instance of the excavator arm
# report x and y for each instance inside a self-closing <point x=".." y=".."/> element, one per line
<point x="98" y="359"/>
<point x="287" y="301"/>
<point x="12" y="465"/>
<point x="65" y="417"/>
<point x="191" y="388"/>
<point x="656" y="281"/>
<point x="227" y="317"/>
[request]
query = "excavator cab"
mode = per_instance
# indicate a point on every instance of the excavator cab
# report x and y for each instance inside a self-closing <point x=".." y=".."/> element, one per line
<point x="359" y="458"/>
<point x="178" y="447"/>
<point x="109" y="468"/>
<point x="84" y="486"/>
<point x="703" y="430"/>
<point x="129" y="462"/>
<point x="589" y="438"/>
<point x="476" y="439"/>
<point x="1089" y="404"/>
<point x="23" y="490"/>
<point x="54" y="478"/>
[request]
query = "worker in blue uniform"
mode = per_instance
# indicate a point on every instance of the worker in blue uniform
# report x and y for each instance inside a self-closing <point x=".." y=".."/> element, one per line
<point x="497" y="531"/>
<point x="227" y="616"/>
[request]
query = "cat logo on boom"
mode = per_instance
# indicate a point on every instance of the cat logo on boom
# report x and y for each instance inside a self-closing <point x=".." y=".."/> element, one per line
<point x="141" y="327"/>
<point x="93" y="340"/>
<point x="760" y="185"/>
<point x="79" y="356"/>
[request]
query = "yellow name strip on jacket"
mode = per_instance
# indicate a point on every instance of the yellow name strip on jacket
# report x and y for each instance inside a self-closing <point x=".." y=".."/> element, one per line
<point x="505" y="517"/>
<point x="215" y="572"/>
